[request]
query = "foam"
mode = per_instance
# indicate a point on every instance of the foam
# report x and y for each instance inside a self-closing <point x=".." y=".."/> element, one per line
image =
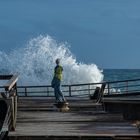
<point x="36" y="60"/>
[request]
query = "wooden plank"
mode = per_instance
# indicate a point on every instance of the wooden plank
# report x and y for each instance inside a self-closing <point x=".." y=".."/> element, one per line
<point x="9" y="85"/>
<point x="14" y="112"/>
<point x="79" y="124"/>
<point x="128" y="94"/>
<point x="129" y="106"/>
<point x="71" y="124"/>
<point x="48" y="104"/>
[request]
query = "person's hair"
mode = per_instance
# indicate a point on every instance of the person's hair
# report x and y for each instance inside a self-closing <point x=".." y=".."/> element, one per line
<point x="57" y="61"/>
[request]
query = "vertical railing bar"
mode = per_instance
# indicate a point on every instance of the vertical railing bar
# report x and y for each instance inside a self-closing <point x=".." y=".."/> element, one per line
<point x="70" y="90"/>
<point x="26" y="92"/>
<point x="108" y="89"/>
<point x="126" y="86"/>
<point x="47" y="91"/>
<point x="89" y="89"/>
<point x="16" y="88"/>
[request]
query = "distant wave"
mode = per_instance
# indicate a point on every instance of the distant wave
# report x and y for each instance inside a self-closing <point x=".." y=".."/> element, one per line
<point x="35" y="63"/>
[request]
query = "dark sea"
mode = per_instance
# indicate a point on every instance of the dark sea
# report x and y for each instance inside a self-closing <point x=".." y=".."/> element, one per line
<point x="121" y="74"/>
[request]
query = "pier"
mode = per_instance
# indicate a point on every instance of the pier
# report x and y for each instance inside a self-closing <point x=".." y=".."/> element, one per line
<point x="31" y="114"/>
<point x="37" y="118"/>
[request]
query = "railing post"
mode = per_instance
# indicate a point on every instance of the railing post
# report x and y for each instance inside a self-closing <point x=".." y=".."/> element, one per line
<point x="126" y="86"/>
<point x="47" y="91"/>
<point x="16" y="88"/>
<point x="14" y="112"/>
<point x="108" y="89"/>
<point x="89" y="89"/>
<point x="26" y="92"/>
<point x="69" y="90"/>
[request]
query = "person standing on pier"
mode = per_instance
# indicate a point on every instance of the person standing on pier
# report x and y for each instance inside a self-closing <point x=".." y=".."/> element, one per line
<point x="56" y="82"/>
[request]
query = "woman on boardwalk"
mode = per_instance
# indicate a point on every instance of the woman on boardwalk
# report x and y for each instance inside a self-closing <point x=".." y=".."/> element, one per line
<point x="56" y="82"/>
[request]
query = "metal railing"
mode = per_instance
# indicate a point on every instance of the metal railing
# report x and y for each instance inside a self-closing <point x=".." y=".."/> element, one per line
<point x="81" y="90"/>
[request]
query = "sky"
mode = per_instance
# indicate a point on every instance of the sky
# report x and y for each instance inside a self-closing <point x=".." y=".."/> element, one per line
<point x="104" y="32"/>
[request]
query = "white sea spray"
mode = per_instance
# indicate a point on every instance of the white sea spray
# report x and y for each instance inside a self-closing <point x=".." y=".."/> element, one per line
<point x="35" y="63"/>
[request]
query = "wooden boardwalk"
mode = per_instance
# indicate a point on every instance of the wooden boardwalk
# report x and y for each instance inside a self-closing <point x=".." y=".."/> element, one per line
<point x="36" y="118"/>
<point x="39" y="119"/>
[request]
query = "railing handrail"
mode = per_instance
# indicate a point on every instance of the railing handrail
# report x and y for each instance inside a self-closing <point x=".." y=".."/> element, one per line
<point x="9" y="85"/>
<point x="84" y="84"/>
<point x="72" y="91"/>
<point x="10" y="93"/>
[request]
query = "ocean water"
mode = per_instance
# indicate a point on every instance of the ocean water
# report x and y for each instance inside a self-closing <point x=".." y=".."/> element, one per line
<point x="36" y="60"/>
<point x="121" y="74"/>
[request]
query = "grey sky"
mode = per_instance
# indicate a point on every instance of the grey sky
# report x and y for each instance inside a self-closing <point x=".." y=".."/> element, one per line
<point x="104" y="32"/>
